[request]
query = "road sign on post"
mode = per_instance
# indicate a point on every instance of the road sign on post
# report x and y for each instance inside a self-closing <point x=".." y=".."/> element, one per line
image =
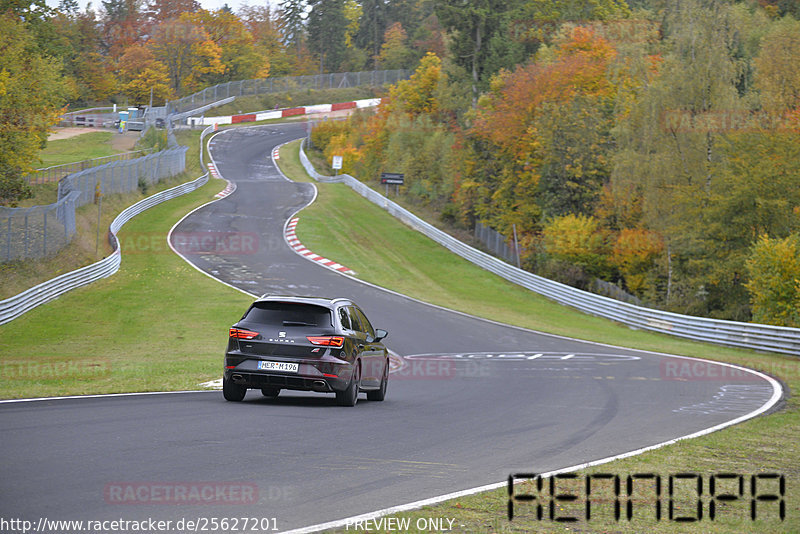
<point x="337" y="163"/>
<point x="392" y="178"/>
<point x="395" y="178"/>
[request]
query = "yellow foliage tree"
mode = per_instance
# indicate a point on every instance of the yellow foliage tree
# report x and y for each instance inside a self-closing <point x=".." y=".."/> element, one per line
<point x="774" y="285"/>
<point x="31" y="95"/>
<point x="187" y="51"/>
<point x="635" y="250"/>
<point x="140" y="72"/>
<point x="419" y="94"/>
<point x="578" y="239"/>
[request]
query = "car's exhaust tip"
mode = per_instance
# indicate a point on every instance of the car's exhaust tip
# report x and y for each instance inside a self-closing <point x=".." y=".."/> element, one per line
<point x="237" y="377"/>
<point x="320" y="385"/>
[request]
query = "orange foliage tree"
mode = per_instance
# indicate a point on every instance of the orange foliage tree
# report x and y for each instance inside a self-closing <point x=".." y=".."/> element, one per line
<point x="549" y="118"/>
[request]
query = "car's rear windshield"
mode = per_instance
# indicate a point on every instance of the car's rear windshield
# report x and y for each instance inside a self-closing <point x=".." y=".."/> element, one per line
<point x="289" y="314"/>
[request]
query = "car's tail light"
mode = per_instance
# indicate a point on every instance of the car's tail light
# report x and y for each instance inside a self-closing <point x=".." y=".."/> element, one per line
<point x="328" y="341"/>
<point x="238" y="333"/>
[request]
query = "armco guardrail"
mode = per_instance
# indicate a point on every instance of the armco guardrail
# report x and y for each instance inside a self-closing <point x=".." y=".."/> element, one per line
<point x="17" y="305"/>
<point x="747" y="335"/>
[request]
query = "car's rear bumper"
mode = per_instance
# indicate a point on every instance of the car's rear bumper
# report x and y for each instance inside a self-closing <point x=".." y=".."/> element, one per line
<point x="286" y="381"/>
<point x="320" y="375"/>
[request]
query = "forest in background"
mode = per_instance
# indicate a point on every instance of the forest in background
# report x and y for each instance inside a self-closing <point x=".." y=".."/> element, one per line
<point x="134" y="52"/>
<point x="652" y="144"/>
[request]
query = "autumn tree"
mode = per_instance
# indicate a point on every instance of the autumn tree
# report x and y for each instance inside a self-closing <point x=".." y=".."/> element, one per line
<point x="123" y="25"/>
<point x="77" y="41"/>
<point x="355" y="58"/>
<point x="159" y="11"/>
<point x="669" y="149"/>
<point x="31" y="99"/>
<point x="395" y="53"/>
<point x="141" y="76"/>
<point x="539" y="21"/>
<point x="238" y="54"/>
<point x="774" y="285"/>
<point x="578" y="240"/>
<point x="188" y="52"/>
<point x="264" y="25"/>
<point x="634" y="253"/>
<point x="420" y="93"/>
<point x="542" y="136"/>
<point x="777" y="72"/>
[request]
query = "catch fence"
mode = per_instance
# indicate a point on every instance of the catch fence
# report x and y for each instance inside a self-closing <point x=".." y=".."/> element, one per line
<point x="264" y="86"/>
<point x="39" y="231"/>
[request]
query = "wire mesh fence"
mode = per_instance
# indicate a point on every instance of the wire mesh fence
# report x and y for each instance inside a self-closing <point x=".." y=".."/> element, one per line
<point x="495" y="242"/>
<point x="754" y="336"/>
<point x="288" y="83"/>
<point x="123" y="176"/>
<point x="57" y="172"/>
<point x="39" y="231"/>
<point x="499" y="246"/>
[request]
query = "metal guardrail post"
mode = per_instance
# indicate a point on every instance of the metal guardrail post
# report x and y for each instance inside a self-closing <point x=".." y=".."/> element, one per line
<point x="18" y="305"/>
<point x="730" y="333"/>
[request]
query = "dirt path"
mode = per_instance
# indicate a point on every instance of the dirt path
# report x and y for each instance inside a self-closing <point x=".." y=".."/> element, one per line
<point x="119" y="142"/>
<point x="65" y="133"/>
<point x="124" y="142"/>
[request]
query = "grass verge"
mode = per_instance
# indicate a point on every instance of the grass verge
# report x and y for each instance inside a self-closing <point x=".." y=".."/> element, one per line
<point x="101" y="338"/>
<point x="96" y="339"/>
<point x="340" y="221"/>
<point x="85" y="247"/>
<point x="81" y="147"/>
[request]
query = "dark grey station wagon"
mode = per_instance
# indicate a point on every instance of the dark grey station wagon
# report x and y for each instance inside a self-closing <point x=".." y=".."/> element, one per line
<point x="307" y="344"/>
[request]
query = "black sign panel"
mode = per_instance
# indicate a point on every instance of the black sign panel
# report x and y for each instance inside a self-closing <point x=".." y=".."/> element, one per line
<point x="392" y="178"/>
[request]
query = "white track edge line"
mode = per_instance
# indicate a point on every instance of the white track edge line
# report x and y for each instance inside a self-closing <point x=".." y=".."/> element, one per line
<point x="776" y="396"/>
<point x="169" y="234"/>
<point x="106" y="395"/>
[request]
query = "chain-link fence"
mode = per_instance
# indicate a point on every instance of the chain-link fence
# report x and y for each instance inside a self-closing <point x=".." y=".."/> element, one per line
<point x="497" y="245"/>
<point x="288" y="83"/>
<point x="123" y="176"/>
<point x="37" y="231"/>
<point x="495" y="242"/>
<point x="40" y="231"/>
<point x="57" y="172"/>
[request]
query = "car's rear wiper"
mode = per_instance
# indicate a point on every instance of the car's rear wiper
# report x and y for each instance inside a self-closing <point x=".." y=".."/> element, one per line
<point x="297" y="323"/>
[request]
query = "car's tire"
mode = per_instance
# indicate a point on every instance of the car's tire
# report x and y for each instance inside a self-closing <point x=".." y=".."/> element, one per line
<point x="271" y="392"/>
<point x="380" y="393"/>
<point x="233" y="392"/>
<point x="349" y="397"/>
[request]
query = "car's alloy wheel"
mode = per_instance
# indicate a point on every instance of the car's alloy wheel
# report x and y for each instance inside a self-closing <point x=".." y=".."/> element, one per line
<point x="349" y="397"/>
<point x="232" y="392"/>
<point x="270" y="392"/>
<point x="380" y="393"/>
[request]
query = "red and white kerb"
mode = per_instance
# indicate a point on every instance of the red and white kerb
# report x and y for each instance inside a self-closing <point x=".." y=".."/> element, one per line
<point x="291" y="238"/>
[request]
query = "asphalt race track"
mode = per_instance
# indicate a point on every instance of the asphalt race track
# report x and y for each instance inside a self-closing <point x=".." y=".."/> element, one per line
<point x="473" y="402"/>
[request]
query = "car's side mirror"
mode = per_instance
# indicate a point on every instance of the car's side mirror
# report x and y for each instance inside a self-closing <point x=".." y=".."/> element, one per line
<point x="380" y="334"/>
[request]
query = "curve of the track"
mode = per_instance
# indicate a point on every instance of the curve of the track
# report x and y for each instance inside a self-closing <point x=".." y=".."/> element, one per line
<point x="475" y="401"/>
